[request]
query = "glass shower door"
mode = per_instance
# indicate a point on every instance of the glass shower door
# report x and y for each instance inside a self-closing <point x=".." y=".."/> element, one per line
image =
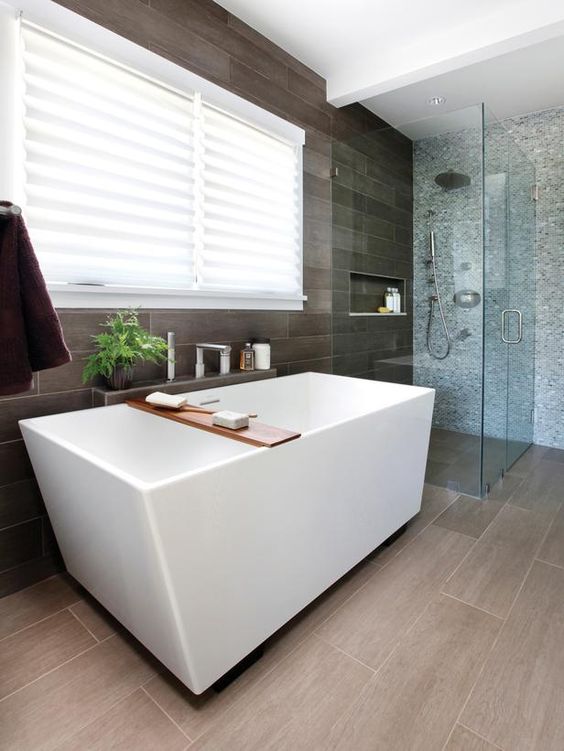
<point x="496" y="301"/>
<point x="521" y="294"/>
<point x="509" y="290"/>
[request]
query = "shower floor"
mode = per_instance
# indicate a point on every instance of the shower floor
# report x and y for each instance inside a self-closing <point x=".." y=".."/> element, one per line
<point x="454" y="459"/>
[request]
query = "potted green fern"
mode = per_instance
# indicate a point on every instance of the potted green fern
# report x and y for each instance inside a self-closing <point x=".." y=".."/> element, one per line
<point x="124" y="343"/>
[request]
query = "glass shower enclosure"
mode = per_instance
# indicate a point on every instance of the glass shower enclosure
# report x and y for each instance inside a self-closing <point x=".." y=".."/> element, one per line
<point x="479" y="186"/>
<point x="468" y="286"/>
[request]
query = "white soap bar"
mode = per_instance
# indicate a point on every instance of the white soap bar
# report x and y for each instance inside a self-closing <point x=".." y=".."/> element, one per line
<point x="160" y="399"/>
<point x="233" y="420"/>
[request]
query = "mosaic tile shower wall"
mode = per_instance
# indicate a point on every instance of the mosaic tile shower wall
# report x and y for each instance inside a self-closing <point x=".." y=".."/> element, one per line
<point x="457" y="222"/>
<point x="541" y="136"/>
<point x="466" y="261"/>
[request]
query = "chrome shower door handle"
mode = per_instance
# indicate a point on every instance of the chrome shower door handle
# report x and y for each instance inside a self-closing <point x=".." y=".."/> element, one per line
<point x="504" y="326"/>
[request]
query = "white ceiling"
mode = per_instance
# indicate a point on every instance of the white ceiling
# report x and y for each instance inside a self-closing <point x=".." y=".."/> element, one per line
<point x="393" y="56"/>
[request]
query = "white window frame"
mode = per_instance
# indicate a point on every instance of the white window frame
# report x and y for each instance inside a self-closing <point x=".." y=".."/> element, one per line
<point x="91" y="36"/>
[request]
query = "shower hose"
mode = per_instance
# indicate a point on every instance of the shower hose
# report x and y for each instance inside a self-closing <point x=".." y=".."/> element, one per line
<point x="436" y="300"/>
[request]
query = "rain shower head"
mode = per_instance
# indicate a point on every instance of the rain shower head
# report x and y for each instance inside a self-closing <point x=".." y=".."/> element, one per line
<point x="452" y="180"/>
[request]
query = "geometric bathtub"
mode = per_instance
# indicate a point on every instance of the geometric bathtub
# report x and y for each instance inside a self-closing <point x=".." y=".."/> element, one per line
<point x="203" y="546"/>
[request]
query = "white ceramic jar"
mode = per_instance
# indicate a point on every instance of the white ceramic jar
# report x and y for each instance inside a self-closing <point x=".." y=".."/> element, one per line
<point x="262" y="354"/>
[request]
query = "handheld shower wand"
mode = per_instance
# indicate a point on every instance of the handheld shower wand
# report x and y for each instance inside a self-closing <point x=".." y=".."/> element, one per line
<point x="435" y="299"/>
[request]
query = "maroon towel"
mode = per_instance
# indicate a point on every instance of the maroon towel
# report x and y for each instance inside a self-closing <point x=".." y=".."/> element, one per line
<point x="31" y="337"/>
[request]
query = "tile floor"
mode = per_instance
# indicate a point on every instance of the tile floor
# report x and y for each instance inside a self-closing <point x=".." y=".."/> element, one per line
<point x="451" y="639"/>
<point x="454" y="459"/>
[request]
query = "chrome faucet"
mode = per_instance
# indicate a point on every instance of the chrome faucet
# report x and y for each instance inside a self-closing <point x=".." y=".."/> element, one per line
<point x="224" y="358"/>
<point x="171" y="356"/>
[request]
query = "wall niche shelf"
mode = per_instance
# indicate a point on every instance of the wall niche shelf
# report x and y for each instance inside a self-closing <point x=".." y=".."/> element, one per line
<point x="379" y="315"/>
<point x="367" y="293"/>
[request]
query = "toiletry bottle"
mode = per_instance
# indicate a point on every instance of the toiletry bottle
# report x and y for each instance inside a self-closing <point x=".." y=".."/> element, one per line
<point x="261" y="348"/>
<point x="247" y="359"/>
<point x="389" y="299"/>
<point x="397" y="301"/>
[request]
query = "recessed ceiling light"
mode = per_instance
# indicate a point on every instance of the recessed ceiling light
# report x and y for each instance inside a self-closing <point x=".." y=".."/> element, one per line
<point x="436" y="100"/>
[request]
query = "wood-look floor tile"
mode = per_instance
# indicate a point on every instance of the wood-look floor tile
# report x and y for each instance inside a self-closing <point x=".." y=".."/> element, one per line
<point x="552" y="550"/>
<point x="45" y="713"/>
<point x="492" y="573"/>
<point x="434" y="501"/>
<point x="197" y="714"/>
<point x="469" y="516"/>
<point x="134" y="723"/>
<point x="528" y="461"/>
<point x="505" y="488"/>
<point x="517" y="701"/>
<point x="24" y="608"/>
<point x="542" y="489"/>
<point x="31" y="653"/>
<point x="463" y="739"/>
<point x="95" y="618"/>
<point x="417" y="695"/>
<point x="369" y="624"/>
<point x="294" y="706"/>
<point x="553" y="455"/>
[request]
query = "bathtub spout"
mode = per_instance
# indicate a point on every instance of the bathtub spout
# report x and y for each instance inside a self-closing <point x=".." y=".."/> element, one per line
<point x="224" y="358"/>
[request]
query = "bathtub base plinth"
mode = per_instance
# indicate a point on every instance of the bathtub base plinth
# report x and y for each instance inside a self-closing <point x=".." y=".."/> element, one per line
<point x="397" y="534"/>
<point x="238" y="669"/>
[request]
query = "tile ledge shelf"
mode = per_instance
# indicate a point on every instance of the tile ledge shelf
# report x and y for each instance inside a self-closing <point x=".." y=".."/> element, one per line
<point x="102" y="397"/>
<point x="380" y="315"/>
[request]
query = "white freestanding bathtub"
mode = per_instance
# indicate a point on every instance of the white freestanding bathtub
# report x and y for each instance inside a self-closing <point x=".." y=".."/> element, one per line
<point x="203" y="546"/>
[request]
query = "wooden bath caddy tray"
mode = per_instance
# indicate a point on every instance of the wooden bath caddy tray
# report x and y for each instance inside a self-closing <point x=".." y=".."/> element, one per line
<point x="257" y="434"/>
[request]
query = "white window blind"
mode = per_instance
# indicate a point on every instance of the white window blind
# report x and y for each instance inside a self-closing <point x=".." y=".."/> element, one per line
<point x="131" y="183"/>
<point x="108" y="170"/>
<point x="251" y="232"/>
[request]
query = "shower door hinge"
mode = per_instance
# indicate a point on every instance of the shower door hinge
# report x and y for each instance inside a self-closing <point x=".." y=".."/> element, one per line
<point x="334" y="172"/>
<point x="532" y="417"/>
<point x="534" y="192"/>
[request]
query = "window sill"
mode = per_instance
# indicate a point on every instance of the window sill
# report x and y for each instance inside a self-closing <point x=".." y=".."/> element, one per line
<point x="86" y="296"/>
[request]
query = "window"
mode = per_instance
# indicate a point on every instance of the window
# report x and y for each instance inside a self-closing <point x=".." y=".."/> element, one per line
<point x="137" y="187"/>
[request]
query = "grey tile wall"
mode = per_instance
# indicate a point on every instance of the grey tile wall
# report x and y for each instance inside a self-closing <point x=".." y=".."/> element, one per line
<point x="457" y="223"/>
<point x="202" y="36"/>
<point x="541" y="137"/>
<point x="372" y="234"/>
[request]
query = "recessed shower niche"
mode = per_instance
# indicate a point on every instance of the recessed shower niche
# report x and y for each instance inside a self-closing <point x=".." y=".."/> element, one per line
<point x="367" y="293"/>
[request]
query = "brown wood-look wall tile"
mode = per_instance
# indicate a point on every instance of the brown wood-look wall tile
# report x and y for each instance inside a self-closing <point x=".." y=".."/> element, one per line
<point x="314" y="324"/>
<point x="20" y="502"/>
<point x="64" y="378"/>
<point x="30" y="572"/>
<point x="300" y="348"/>
<point x="316" y="164"/>
<point x="317" y="254"/>
<point x="224" y="38"/>
<point x="318" y="301"/>
<point x="316" y="278"/>
<point x="276" y="98"/>
<point x="36" y="406"/>
<point x="219" y="326"/>
<point x="323" y="365"/>
<point x="20" y="543"/>
<point x="317" y="187"/>
<point x="80" y="325"/>
<point x="308" y="91"/>
<point x="277" y="52"/>
<point x="144" y="25"/>
<point x="14" y="463"/>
